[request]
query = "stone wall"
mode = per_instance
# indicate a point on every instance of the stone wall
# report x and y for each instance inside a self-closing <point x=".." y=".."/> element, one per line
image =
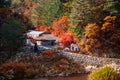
<point x="93" y="62"/>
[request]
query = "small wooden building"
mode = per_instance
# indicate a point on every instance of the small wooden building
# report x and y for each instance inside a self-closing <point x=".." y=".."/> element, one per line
<point x="35" y="34"/>
<point x="41" y="38"/>
<point x="32" y="36"/>
<point x="48" y="40"/>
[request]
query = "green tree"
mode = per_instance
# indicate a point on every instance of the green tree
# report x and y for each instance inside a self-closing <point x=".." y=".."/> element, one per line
<point x="67" y="6"/>
<point x="11" y="35"/>
<point x="49" y="11"/>
<point x="78" y="31"/>
<point x="81" y="12"/>
<point x="112" y="7"/>
<point x="4" y="3"/>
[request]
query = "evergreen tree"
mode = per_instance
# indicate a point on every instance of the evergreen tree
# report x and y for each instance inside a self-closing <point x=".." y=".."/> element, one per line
<point x="81" y="12"/>
<point x="11" y="33"/>
<point x="112" y="7"/>
<point x="49" y="11"/>
<point x="4" y="3"/>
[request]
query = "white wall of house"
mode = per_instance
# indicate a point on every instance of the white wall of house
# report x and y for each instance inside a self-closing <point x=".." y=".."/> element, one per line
<point x="38" y="43"/>
<point x="67" y="49"/>
<point x="34" y="34"/>
<point x="29" y="43"/>
<point x="74" y="47"/>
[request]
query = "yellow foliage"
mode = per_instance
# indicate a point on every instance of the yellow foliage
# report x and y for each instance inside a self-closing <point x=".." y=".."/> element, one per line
<point x="110" y="18"/>
<point x="107" y="26"/>
<point x="88" y="42"/>
<point x="88" y="48"/>
<point x="81" y="43"/>
<point x="95" y="37"/>
<point x="91" y="30"/>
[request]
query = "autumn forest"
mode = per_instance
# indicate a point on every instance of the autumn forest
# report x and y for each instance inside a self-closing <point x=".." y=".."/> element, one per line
<point x="92" y="25"/>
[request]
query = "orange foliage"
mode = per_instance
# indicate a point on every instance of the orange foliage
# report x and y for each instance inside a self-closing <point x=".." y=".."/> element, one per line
<point x="67" y="38"/>
<point x="96" y="38"/>
<point x="40" y="28"/>
<point x="63" y="19"/>
<point x="59" y="28"/>
<point x="108" y="25"/>
<point x="48" y="52"/>
<point x="90" y="43"/>
<point x="61" y="65"/>
<point x="61" y="62"/>
<point x="110" y="18"/>
<point x="14" y="66"/>
<point x="88" y="48"/>
<point x="47" y="29"/>
<point x="58" y="32"/>
<point x="60" y="25"/>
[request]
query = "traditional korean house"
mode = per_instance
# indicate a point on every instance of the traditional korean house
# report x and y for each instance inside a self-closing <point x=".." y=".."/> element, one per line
<point x="48" y="40"/>
<point x="35" y="34"/>
<point x="41" y="38"/>
<point x="32" y="36"/>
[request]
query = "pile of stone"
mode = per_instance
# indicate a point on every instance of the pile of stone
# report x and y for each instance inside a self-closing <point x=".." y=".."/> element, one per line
<point x="90" y="62"/>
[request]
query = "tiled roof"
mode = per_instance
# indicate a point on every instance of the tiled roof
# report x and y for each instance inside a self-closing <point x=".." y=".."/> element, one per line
<point x="48" y="37"/>
<point x="35" y="33"/>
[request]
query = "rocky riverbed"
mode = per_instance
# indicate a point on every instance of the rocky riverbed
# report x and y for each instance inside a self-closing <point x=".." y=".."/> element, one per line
<point x="87" y="63"/>
<point x="33" y="65"/>
<point x="90" y="62"/>
<point x="55" y="64"/>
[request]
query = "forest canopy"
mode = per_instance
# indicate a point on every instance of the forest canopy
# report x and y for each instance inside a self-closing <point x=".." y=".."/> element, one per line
<point x="91" y="23"/>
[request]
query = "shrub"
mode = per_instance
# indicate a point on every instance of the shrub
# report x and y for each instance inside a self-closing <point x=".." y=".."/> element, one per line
<point x="61" y="65"/>
<point x="30" y="73"/>
<point x="104" y="73"/>
<point x="14" y="65"/>
<point x="48" y="52"/>
<point x="15" y="69"/>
